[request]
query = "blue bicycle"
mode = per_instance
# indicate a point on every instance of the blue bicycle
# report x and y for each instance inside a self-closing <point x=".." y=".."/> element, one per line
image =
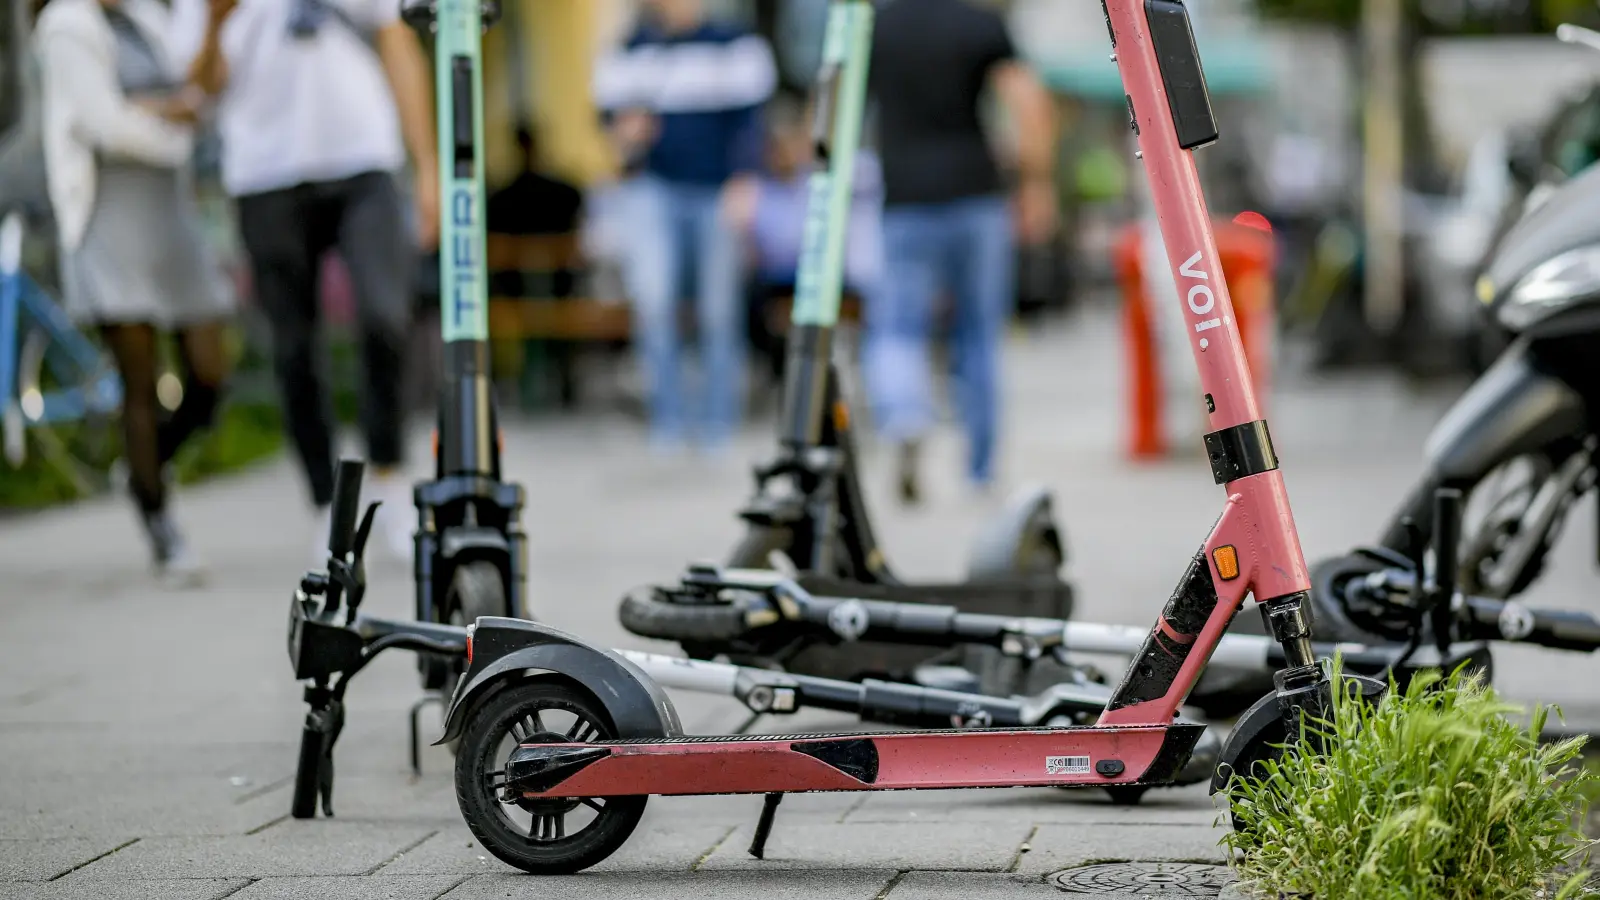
<point x="58" y="391"/>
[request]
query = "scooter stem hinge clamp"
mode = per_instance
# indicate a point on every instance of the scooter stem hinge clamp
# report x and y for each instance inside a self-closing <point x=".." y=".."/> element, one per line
<point x="1240" y="451"/>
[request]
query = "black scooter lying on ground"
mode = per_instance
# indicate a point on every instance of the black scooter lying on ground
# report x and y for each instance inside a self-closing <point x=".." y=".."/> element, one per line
<point x="809" y="516"/>
<point x="330" y="642"/>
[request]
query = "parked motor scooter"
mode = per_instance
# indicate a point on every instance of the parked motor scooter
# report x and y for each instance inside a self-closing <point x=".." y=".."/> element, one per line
<point x="1520" y="442"/>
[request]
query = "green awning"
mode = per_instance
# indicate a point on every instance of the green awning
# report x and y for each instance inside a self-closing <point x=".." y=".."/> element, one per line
<point x="1232" y="67"/>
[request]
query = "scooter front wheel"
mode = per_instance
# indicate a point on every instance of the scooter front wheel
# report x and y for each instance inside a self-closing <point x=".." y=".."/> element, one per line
<point x="539" y="836"/>
<point x="476" y="590"/>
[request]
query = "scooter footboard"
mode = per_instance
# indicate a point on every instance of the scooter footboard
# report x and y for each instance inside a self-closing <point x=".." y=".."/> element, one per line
<point x="765" y="764"/>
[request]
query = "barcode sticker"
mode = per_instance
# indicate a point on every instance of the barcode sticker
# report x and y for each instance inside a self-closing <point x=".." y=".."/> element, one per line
<point x="1066" y="765"/>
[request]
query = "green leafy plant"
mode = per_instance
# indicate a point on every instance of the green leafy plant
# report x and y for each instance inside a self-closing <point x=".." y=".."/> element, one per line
<point x="1431" y="794"/>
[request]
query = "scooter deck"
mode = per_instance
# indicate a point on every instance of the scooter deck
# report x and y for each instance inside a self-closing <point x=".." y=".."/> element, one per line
<point x="858" y="761"/>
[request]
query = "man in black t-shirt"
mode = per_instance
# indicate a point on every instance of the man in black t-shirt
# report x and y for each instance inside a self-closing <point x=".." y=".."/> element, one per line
<point x="947" y="225"/>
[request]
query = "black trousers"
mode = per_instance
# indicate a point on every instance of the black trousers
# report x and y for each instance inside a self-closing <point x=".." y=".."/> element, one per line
<point x="286" y="233"/>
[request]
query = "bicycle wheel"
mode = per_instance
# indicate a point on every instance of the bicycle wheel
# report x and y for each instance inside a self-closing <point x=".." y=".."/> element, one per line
<point x="69" y="412"/>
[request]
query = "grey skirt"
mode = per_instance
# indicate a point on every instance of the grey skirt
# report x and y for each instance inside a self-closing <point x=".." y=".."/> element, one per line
<point x="144" y="257"/>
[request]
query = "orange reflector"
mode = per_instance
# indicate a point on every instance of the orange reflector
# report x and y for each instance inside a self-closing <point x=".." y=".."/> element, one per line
<point x="1227" y="560"/>
<point x="436" y="443"/>
<point x="841" y="415"/>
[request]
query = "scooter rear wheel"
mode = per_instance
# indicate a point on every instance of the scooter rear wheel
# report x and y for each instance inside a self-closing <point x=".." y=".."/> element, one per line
<point x="535" y="835"/>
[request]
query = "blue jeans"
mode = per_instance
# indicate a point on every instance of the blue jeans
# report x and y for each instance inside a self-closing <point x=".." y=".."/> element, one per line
<point x="677" y="229"/>
<point x="966" y="248"/>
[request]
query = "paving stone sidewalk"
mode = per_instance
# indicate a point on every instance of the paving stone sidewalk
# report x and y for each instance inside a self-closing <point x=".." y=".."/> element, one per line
<point x="147" y="738"/>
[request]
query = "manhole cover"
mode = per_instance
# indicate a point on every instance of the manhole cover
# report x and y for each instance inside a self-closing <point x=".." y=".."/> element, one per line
<point x="1144" y="879"/>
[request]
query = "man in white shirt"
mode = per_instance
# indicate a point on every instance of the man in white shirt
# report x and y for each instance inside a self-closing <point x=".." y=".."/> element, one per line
<point x="317" y="103"/>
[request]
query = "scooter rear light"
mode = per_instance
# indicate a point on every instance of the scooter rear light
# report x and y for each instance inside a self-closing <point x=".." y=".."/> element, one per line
<point x="470" y="629"/>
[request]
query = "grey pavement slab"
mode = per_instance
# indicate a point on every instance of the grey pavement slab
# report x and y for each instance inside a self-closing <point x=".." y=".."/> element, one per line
<point x="165" y="889"/>
<point x="377" y="887"/>
<point x="290" y="848"/>
<point x="969" y="886"/>
<point x="1055" y="847"/>
<point x="170" y="805"/>
<point x="42" y="860"/>
<point x="810" y="885"/>
<point x="1187" y="806"/>
<point x="992" y="847"/>
<point x="653" y="847"/>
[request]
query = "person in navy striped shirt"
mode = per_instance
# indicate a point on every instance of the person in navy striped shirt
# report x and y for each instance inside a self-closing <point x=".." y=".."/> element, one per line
<point x="683" y="98"/>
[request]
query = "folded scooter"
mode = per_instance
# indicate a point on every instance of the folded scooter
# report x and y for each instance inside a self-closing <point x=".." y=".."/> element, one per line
<point x="809" y="516"/>
<point x="331" y="641"/>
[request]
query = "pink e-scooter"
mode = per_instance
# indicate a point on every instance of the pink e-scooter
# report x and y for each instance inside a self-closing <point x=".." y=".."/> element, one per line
<point x="561" y="742"/>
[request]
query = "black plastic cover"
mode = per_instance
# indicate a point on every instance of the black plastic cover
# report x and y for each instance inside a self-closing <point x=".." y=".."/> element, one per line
<point x="1241" y="451"/>
<point x="1185" y="81"/>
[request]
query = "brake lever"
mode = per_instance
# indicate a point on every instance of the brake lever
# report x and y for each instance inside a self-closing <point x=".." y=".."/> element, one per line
<point x="350" y="574"/>
<point x="358" y="546"/>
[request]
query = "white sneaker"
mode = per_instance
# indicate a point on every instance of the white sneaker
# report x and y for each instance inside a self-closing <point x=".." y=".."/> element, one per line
<point x="176" y="564"/>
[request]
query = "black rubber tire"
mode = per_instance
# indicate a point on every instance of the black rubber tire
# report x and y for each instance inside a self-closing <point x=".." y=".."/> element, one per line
<point x="755" y="549"/>
<point x="645" y="615"/>
<point x="476" y="589"/>
<point x="487" y="725"/>
<point x="303" y="804"/>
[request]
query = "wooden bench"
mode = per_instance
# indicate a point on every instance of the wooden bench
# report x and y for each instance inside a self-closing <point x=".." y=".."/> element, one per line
<point x="538" y="312"/>
<point x="540" y="308"/>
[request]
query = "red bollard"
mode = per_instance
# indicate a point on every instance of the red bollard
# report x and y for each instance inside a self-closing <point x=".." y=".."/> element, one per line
<point x="1246" y="250"/>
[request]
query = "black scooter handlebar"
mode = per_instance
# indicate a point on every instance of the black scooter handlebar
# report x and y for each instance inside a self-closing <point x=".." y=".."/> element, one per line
<point x="1558" y="629"/>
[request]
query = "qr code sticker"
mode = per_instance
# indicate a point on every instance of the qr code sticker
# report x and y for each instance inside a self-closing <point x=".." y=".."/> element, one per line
<point x="1066" y="765"/>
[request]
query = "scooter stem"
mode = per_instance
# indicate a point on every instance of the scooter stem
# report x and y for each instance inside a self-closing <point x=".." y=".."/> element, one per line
<point x="1254" y="548"/>
<point x="839" y="99"/>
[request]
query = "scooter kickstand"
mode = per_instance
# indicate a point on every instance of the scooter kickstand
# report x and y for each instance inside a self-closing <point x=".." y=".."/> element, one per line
<point x="416" y="729"/>
<point x="769" y="811"/>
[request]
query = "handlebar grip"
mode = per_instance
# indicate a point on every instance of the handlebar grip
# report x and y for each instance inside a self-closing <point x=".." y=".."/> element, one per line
<point x="346" y="507"/>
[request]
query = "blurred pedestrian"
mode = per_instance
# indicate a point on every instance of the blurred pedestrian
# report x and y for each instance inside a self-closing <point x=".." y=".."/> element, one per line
<point x="777" y="226"/>
<point x="317" y="103"/>
<point x="683" y="97"/>
<point x="117" y="134"/>
<point x="947" y="225"/>
<point x="534" y="202"/>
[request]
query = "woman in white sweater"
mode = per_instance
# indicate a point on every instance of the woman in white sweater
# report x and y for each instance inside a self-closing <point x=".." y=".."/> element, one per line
<point x="118" y="140"/>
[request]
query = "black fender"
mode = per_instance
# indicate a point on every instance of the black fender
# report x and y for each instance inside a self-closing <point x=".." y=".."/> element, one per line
<point x="1001" y="548"/>
<point x="503" y="650"/>
<point x="458" y="539"/>
<point x="1262" y="726"/>
<point x="1514" y="407"/>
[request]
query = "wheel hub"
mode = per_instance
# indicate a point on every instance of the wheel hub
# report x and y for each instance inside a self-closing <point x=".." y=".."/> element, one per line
<point x="544" y="806"/>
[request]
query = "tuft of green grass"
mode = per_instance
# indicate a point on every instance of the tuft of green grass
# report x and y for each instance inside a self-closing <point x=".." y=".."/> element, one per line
<point x="1430" y="794"/>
